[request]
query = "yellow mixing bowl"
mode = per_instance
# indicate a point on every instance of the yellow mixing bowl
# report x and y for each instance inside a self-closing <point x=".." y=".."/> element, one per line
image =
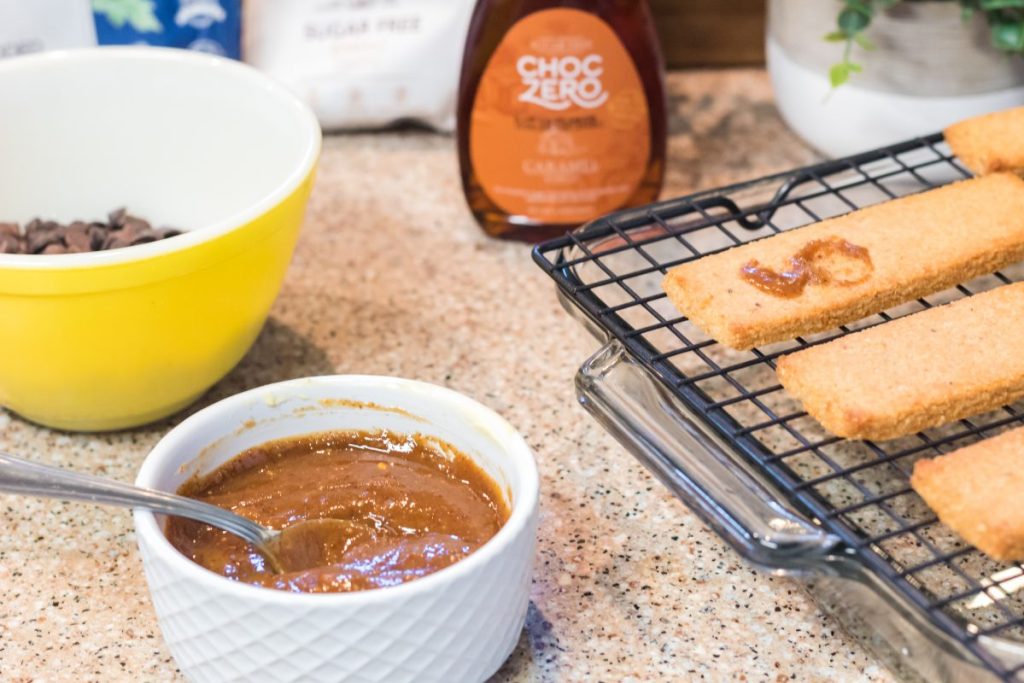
<point x="118" y="338"/>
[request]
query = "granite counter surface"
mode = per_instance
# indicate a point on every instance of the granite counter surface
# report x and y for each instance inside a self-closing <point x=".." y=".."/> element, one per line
<point x="391" y="276"/>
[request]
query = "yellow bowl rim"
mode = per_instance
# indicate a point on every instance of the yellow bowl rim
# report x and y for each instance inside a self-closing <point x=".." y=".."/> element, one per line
<point x="304" y="116"/>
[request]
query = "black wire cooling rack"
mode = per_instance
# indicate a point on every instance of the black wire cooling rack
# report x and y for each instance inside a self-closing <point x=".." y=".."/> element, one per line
<point x="859" y="491"/>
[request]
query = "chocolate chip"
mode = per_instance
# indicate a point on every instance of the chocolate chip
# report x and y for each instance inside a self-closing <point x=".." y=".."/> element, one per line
<point x="133" y="228"/>
<point x="97" y="233"/>
<point x="11" y="244"/>
<point x="78" y="238"/>
<point x="135" y="223"/>
<point x="148" y="235"/>
<point x="10" y="229"/>
<point x="43" y="236"/>
<point x="117" y="240"/>
<point x="164" y="233"/>
<point x="116" y="217"/>
<point x="55" y="248"/>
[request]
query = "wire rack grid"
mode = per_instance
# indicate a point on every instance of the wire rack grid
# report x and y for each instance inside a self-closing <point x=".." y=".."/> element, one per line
<point x="612" y="271"/>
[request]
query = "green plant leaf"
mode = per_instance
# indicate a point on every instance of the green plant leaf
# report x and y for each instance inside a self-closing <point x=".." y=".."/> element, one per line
<point x="864" y="42"/>
<point x="839" y="74"/>
<point x="966" y="13"/>
<point x="991" y="5"/>
<point x="139" y="14"/>
<point x="1008" y="36"/>
<point x="835" y="37"/>
<point x="852" y="21"/>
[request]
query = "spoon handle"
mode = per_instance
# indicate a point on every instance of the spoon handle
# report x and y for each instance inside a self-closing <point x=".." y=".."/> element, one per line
<point x="31" y="478"/>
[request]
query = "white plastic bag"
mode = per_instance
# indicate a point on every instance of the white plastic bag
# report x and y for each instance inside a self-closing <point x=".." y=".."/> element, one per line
<point x="39" y="25"/>
<point x="363" y="63"/>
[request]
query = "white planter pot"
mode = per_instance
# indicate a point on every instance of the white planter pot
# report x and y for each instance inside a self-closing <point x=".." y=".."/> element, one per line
<point x="928" y="71"/>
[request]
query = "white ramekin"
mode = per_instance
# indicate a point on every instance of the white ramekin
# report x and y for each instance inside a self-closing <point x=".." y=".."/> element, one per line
<point x="456" y="625"/>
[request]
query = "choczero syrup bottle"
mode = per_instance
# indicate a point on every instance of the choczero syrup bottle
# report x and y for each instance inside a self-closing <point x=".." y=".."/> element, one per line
<point x="561" y="113"/>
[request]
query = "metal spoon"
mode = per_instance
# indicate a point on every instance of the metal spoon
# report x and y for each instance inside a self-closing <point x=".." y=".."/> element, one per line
<point x="300" y="546"/>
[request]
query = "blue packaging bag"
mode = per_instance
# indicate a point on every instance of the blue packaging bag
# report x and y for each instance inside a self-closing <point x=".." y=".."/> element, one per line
<point x="213" y="26"/>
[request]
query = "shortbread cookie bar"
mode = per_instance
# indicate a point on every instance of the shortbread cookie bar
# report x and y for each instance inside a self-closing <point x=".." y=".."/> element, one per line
<point x="915" y="372"/>
<point x="858" y="264"/>
<point x="976" y="492"/>
<point x="990" y="143"/>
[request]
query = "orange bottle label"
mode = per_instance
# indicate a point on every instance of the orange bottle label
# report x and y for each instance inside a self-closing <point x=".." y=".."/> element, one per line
<point x="560" y="131"/>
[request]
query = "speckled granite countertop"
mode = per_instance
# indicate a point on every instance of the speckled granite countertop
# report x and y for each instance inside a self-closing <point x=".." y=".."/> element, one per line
<point x="391" y="276"/>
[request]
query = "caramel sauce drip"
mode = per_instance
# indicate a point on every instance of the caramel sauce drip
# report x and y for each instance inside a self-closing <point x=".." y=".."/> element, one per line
<point x="808" y="267"/>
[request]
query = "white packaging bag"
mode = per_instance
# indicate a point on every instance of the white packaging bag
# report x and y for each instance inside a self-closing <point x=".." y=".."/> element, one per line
<point x="38" y="25"/>
<point x="363" y="63"/>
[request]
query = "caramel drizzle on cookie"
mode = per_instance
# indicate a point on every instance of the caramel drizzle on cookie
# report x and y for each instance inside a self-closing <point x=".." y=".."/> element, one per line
<point x="806" y="267"/>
